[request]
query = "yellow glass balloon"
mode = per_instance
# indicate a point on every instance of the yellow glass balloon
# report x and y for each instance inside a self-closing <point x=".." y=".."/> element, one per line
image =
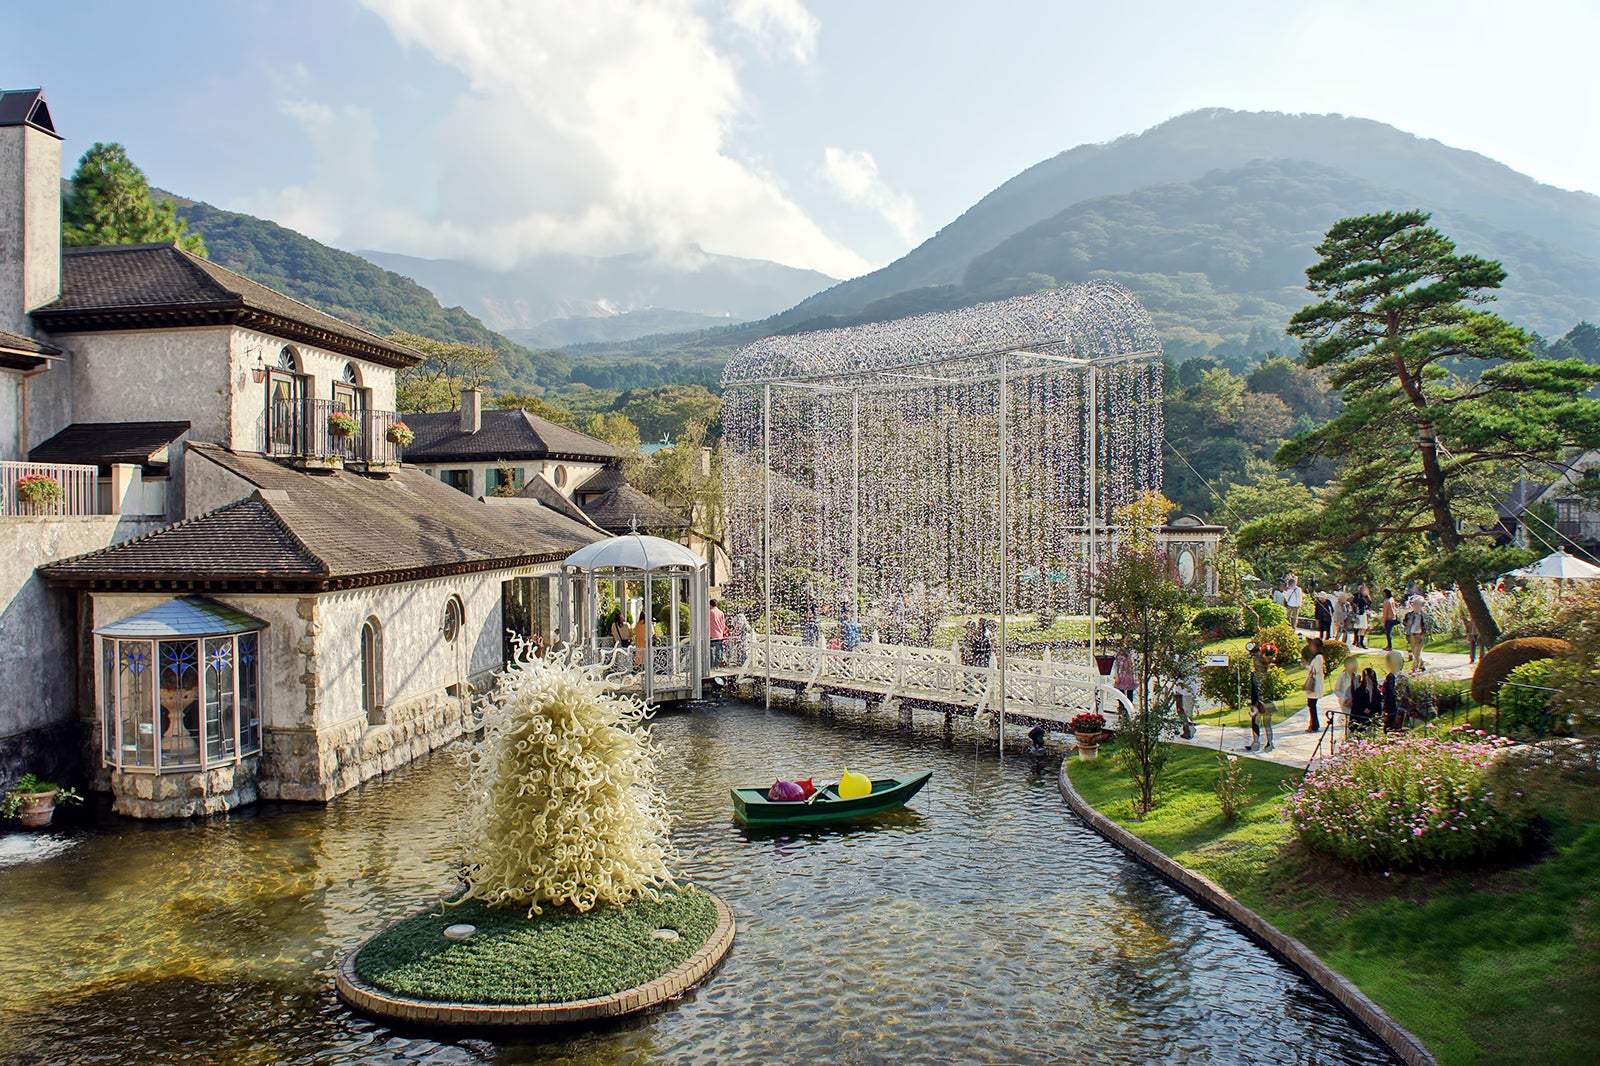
<point x="852" y="786"/>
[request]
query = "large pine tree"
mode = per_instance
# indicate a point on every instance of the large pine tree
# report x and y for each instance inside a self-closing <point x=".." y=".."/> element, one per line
<point x="110" y="203"/>
<point x="1444" y="402"/>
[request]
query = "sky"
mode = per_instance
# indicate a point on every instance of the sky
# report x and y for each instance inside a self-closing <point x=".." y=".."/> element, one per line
<point x="834" y="135"/>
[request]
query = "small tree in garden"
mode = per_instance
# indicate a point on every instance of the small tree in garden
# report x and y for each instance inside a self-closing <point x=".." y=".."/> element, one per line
<point x="562" y="803"/>
<point x="1575" y="675"/>
<point x="1141" y="599"/>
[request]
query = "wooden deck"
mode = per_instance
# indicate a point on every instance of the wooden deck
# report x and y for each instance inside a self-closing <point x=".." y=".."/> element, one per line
<point x="930" y="678"/>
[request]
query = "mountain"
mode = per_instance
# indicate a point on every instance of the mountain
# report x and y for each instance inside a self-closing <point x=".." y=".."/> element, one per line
<point x="1212" y="216"/>
<point x="352" y="288"/>
<point x="603" y="329"/>
<point x="560" y="286"/>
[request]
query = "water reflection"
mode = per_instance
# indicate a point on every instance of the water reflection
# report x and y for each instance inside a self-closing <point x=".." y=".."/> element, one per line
<point x="984" y="924"/>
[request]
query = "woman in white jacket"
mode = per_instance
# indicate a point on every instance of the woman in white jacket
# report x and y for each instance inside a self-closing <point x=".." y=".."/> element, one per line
<point x="1316" y="680"/>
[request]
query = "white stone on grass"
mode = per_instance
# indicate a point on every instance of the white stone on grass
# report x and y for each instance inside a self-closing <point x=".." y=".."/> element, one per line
<point x="459" y="932"/>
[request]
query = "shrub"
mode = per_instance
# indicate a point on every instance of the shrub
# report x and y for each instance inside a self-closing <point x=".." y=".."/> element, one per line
<point x="1449" y="694"/>
<point x="1524" y="698"/>
<point x="1271" y="614"/>
<point x="1409" y="801"/>
<point x="1334" y="653"/>
<point x="1498" y="662"/>
<point x="1286" y="640"/>
<point x="1233" y="786"/>
<point x="1230" y="685"/>
<point x="1219" y="622"/>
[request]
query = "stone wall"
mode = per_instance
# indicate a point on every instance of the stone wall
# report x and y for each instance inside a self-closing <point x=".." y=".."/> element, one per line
<point x="152" y="375"/>
<point x="187" y="795"/>
<point x="39" y="679"/>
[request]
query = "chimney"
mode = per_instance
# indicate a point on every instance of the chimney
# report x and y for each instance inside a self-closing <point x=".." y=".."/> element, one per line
<point x="30" y="207"/>
<point x="471" y="410"/>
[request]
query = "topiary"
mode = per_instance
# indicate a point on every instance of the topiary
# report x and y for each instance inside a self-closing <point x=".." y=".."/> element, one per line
<point x="1524" y="699"/>
<point x="1269" y="613"/>
<point x="1498" y="662"/>
<point x="1230" y="685"/>
<point x="1222" y="621"/>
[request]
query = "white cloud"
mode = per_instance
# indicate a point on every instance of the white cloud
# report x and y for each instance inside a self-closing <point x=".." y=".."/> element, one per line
<point x="854" y="175"/>
<point x="785" y="24"/>
<point x="597" y="127"/>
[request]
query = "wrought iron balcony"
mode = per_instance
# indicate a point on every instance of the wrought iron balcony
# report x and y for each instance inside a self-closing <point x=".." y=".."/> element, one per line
<point x="313" y="430"/>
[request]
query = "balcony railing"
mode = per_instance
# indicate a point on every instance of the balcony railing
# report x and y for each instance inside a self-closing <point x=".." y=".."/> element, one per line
<point x="300" y="429"/>
<point x="80" y="489"/>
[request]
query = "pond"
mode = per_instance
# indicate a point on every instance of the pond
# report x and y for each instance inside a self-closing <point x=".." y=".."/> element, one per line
<point x="983" y="924"/>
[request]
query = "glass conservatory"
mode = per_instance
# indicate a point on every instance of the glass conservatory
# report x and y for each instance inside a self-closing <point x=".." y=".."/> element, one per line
<point x="180" y="687"/>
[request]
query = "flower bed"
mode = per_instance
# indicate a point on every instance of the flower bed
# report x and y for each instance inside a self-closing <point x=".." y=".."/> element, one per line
<point x="1410" y="802"/>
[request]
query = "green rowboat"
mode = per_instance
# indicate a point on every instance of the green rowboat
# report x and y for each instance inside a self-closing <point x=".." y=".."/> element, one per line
<point x="751" y="805"/>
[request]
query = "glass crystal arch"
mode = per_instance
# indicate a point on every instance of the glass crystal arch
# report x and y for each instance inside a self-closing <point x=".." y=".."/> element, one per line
<point x="891" y="472"/>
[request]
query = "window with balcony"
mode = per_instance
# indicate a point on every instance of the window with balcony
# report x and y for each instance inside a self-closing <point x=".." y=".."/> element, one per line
<point x="180" y="687"/>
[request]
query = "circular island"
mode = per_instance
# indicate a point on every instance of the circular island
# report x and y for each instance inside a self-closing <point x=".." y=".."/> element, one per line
<point x="553" y="968"/>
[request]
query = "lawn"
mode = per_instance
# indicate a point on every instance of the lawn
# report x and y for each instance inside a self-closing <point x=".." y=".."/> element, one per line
<point x="1484" y="966"/>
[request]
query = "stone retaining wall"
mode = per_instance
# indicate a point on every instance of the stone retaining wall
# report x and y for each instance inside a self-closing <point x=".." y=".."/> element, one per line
<point x="1214" y="897"/>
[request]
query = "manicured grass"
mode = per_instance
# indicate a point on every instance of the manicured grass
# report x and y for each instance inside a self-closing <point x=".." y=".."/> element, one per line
<point x="1485" y="967"/>
<point x="556" y="957"/>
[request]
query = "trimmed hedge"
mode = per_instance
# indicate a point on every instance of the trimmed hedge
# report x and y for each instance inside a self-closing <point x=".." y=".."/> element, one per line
<point x="1498" y="662"/>
<point x="1225" y="622"/>
<point x="1270" y="613"/>
<point x="1230" y="685"/>
<point x="1524" y="706"/>
<point x="1288" y="642"/>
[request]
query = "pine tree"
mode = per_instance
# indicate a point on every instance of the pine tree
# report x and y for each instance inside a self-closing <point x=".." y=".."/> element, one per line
<point x="1444" y="403"/>
<point x="110" y="203"/>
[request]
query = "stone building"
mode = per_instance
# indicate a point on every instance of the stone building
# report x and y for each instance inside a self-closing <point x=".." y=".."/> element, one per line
<point x="474" y="449"/>
<point x="236" y="590"/>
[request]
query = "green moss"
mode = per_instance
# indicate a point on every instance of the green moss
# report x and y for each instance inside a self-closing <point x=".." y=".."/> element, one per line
<point x="556" y="957"/>
<point x="1485" y="966"/>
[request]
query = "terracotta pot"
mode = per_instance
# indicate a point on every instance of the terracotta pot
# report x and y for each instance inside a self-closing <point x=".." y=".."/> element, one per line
<point x="1088" y="745"/>
<point x="37" y="809"/>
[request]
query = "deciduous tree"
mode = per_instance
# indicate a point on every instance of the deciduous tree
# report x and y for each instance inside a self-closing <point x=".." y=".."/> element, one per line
<point x="1444" y="402"/>
<point x="435" y="384"/>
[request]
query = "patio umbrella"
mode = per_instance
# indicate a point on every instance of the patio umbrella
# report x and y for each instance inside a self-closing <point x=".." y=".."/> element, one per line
<point x="1559" y="566"/>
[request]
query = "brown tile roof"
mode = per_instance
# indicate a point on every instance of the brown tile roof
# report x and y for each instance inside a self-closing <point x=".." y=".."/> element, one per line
<point x="153" y="286"/>
<point x="346" y="530"/>
<point x="104" y="443"/>
<point x="23" y="353"/>
<point x="503" y="434"/>
<point x="601" y="481"/>
<point x="551" y="497"/>
<point x="616" y="510"/>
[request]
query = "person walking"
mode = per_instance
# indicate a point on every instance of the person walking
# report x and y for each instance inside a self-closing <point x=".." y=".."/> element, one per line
<point x="1322" y="615"/>
<point x="1260" y="709"/>
<point x="719" y="634"/>
<point x="1316" y="680"/>
<point x="1341" y="615"/>
<point x="1416" y="626"/>
<point x="1293" y="597"/>
<point x="1344" y="688"/>
<point x="1390" y="615"/>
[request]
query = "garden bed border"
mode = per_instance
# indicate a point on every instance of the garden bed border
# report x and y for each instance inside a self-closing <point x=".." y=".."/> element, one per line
<point x="389" y="1006"/>
<point x="1214" y="897"/>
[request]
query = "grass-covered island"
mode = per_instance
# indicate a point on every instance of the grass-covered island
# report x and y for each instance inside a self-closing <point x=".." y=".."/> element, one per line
<point x="558" y="956"/>
<point x="1486" y="962"/>
<point x="570" y="908"/>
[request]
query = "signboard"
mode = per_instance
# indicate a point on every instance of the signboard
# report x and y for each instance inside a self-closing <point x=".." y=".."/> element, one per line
<point x="1217" y="660"/>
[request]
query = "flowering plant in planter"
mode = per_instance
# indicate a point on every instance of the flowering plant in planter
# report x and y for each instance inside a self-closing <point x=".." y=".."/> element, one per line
<point x="1088" y="722"/>
<point x="341" y="424"/>
<point x="34" y="800"/>
<point x="400" y="433"/>
<point x="38" y="489"/>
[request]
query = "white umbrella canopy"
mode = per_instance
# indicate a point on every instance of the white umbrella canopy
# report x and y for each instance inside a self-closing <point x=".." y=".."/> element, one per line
<point x="1558" y="566"/>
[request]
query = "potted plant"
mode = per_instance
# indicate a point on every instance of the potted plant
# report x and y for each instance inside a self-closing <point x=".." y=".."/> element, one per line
<point x="400" y="433"/>
<point x="343" y="424"/>
<point x="38" y="490"/>
<point x="1088" y="727"/>
<point x="33" y="802"/>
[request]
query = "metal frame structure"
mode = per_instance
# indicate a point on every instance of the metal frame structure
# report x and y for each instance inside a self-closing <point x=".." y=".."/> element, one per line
<point x="1013" y="360"/>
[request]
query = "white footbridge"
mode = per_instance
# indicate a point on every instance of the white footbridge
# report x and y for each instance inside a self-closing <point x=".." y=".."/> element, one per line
<point x="934" y="679"/>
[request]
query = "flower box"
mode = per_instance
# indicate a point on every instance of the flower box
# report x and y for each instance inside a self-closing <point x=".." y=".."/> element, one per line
<point x="38" y="490"/>
<point x="400" y="434"/>
<point x="341" y="424"/>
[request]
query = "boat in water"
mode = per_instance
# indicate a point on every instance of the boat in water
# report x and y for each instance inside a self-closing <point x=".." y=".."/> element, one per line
<point x="753" y="807"/>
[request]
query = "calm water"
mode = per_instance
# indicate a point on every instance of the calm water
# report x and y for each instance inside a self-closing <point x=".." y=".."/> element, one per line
<point x="984" y="925"/>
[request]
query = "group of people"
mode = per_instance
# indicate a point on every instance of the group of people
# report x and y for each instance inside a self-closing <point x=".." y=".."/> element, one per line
<point x="978" y="641"/>
<point x="1348" y="613"/>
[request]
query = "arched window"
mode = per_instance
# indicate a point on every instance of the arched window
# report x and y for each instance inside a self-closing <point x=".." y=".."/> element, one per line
<point x="287" y="360"/>
<point x="349" y="375"/>
<point x="347" y="391"/>
<point x="372" y="671"/>
<point x="455" y="616"/>
<point x="286" y="403"/>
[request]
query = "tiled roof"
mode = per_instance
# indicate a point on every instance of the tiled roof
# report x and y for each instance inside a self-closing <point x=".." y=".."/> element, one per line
<point x="104" y="443"/>
<point x="502" y="434"/>
<point x="334" y="529"/>
<point x="616" y="511"/>
<point x="26" y="107"/>
<point x="16" y="342"/>
<point x="550" y="496"/>
<point x="149" y="286"/>
<point x="602" y="480"/>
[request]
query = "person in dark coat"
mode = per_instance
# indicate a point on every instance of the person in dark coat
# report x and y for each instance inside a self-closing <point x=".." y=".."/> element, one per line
<point x="1391" y="692"/>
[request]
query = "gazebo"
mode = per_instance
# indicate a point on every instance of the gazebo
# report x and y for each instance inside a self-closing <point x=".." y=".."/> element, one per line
<point x="651" y="582"/>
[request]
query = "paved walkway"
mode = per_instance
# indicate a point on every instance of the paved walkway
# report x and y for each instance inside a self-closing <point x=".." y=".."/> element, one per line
<point x="1292" y="745"/>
